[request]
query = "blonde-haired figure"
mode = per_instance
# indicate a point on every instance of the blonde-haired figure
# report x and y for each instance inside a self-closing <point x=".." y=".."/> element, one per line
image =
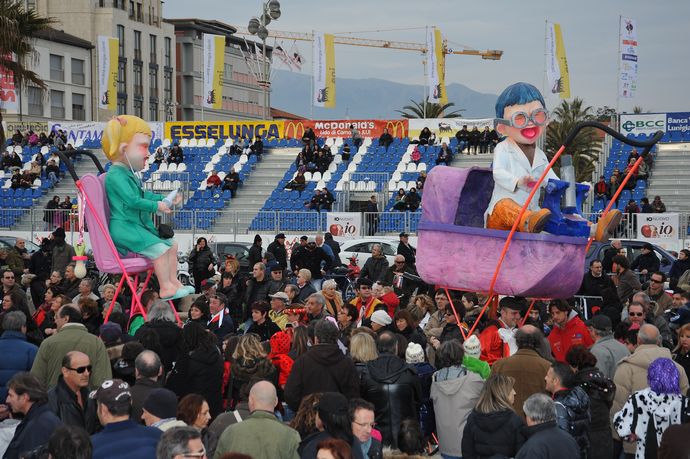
<point x="126" y="142"/>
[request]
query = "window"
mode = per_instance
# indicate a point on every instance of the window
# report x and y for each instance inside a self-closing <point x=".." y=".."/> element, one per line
<point x="119" y="4"/>
<point x="30" y="4"/>
<point x="153" y="111"/>
<point x="253" y="97"/>
<point x="35" y="101"/>
<point x="137" y="45"/>
<point x="78" y="72"/>
<point x="57" y="68"/>
<point x="140" y="15"/>
<point x="153" y="49"/>
<point x="227" y="72"/>
<point x="121" y="106"/>
<point x="57" y="104"/>
<point x="138" y="83"/>
<point x="168" y="52"/>
<point x="153" y="82"/>
<point x="167" y="86"/>
<point x="138" y="108"/>
<point x="121" y="77"/>
<point x="78" y="112"/>
<point x="131" y="9"/>
<point x="121" y="40"/>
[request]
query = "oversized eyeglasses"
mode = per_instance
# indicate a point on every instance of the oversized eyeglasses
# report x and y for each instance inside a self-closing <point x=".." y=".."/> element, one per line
<point x="521" y="120"/>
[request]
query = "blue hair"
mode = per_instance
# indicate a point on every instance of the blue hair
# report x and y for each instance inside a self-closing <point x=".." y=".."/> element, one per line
<point x="663" y="376"/>
<point x="517" y="94"/>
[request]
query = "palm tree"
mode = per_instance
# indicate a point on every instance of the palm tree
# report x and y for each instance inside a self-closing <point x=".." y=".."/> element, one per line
<point x="637" y="110"/>
<point x="585" y="147"/>
<point x="18" y="27"/>
<point x="426" y="109"/>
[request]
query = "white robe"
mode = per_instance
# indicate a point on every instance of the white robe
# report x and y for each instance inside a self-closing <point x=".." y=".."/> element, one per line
<point x="509" y="165"/>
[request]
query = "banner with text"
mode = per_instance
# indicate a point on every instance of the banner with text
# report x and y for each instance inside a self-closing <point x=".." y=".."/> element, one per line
<point x="435" y="67"/>
<point x="78" y="132"/>
<point x="9" y="97"/>
<point x="446" y="127"/>
<point x="223" y="129"/>
<point x="646" y="123"/>
<point x="344" y="224"/>
<point x="341" y="128"/>
<point x="108" y="50"/>
<point x="323" y="69"/>
<point x="214" y="66"/>
<point x="627" y="55"/>
<point x="678" y="122"/>
<point x="661" y="229"/>
<point x="557" y="73"/>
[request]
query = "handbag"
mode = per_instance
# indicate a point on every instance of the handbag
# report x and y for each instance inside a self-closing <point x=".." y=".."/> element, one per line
<point x="165" y="231"/>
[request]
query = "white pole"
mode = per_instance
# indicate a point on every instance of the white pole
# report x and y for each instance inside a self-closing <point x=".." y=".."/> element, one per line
<point x="618" y="76"/>
<point x="425" y="62"/>
<point x="311" y="87"/>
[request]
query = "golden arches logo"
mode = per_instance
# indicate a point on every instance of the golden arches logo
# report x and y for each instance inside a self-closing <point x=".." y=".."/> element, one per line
<point x="394" y="126"/>
<point x="294" y="130"/>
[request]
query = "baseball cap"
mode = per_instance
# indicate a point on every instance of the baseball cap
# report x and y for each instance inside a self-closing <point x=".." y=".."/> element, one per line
<point x="280" y="236"/>
<point x="681" y="317"/>
<point x="281" y="296"/>
<point x="311" y="239"/>
<point x="208" y="283"/>
<point x="403" y="234"/>
<point x="600" y="322"/>
<point x="112" y="391"/>
<point x="274" y="266"/>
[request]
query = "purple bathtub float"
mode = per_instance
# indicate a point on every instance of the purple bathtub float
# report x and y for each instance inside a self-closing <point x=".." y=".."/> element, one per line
<point x="454" y="249"/>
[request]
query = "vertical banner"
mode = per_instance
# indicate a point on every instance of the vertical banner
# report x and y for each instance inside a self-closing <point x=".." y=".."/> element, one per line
<point x="436" y="68"/>
<point x="214" y="66"/>
<point x="557" y="74"/>
<point x="323" y="66"/>
<point x="107" y="72"/>
<point x="627" y="55"/>
<point x="9" y="98"/>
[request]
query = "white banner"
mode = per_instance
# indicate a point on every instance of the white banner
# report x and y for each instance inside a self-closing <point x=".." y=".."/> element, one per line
<point x="323" y="70"/>
<point x="446" y="127"/>
<point x="214" y="57"/>
<point x="344" y="224"/>
<point x="647" y="123"/>
<point x="627" y="55"/>
<point x="77" y="132"/>
<point x="661" y="229"/>
<point x="553" y="71"/>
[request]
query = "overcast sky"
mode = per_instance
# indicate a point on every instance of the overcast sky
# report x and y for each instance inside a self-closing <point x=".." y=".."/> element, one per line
<point x="590" y="33"/>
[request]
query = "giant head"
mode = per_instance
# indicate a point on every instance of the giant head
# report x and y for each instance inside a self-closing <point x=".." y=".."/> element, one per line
<point x="521" y="113"/>
<point x="126" y="139"/>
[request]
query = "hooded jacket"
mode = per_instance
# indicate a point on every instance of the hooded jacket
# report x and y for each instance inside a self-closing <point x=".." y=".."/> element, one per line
<point x="489" y="434"/>
<point x="601" y="391"/>
<point x="631" y="376"/>
<point x="572" y="414"/>
<point x="573" y="333"/>
<point x="455" y="392"/>
<point x="280" y="346"/>
<point x="644" y="406"/>
<point x="199" y="372"/>
<point x="169" y="337"/>
<point x="394" y="389"/>
<point x="323" y="368"/>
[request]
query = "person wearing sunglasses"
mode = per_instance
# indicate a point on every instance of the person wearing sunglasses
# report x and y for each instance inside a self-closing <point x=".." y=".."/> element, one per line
<point x="69" y="399"/>
<point x="521" y="117"/>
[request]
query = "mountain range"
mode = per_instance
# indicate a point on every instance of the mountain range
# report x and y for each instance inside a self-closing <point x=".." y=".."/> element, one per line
<point x="369" y="98"/>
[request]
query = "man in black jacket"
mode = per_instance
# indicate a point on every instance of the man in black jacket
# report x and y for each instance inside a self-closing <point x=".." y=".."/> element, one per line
<point x="323" y="368"/>
<point x="375" y="267"/>
<point x="255" y="252"/>
<point x="647" y="262"/>
<point x="406" y="250"/>
<point x="69" y="399"/>
<point x="148" y="368"/>
<point x="393" y="387"/>
<point x="258" y="286"/>
<point x="311" y="257"/>
<point x="277" y="248"/>
<point x="544" y="438"/>
<point x="595" y="282"/>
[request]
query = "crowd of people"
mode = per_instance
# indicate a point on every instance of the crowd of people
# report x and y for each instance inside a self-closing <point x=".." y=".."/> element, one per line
<point x="278" y="363"/>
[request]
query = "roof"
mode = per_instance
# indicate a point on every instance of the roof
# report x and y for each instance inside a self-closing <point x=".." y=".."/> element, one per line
<point x="283" y="115"/>
<point x="60" y="36"/>
<point x="203" y="25"/>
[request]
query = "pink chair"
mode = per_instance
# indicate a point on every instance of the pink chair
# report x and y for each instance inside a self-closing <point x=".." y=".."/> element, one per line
<point x="108" y="260"/>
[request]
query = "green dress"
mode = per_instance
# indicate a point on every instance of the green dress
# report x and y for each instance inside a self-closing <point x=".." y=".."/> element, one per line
<point x="131" y="209"/>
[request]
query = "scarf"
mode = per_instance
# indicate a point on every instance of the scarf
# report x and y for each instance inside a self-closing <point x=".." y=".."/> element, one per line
<point x="334" y="302"/>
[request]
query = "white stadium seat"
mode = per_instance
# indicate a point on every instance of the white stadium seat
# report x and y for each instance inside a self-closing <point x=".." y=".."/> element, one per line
<point x="421" y="167"/>
<point x="327" y="176"/>
<point x="412" y="167"/>
<point x="184" y="142"/>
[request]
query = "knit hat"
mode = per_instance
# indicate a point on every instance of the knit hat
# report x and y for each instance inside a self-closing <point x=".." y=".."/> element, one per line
<point x="473" y="347"/>
<point x="381" y="318"/>
<point x="110" y="332"/>
<point x="59" y="232"/>
<point x="257" y="238"/>
<point x="414" y="353"/>
<point x="332" y="403"/>
<point x="161" y="403"/>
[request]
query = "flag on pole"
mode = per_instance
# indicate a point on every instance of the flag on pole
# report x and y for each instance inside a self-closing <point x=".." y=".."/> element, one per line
<point x="107" y="72"/>
<point x="627" y="74"/>
<point x="214" y="63"/>
<point x="9" y="99"/>
<point x="436" y="68"/>
<point x="557" y="73"/>
<point x="295" y="57"/>
<point x="281" y="54"/>
<point x="323" y="64"/>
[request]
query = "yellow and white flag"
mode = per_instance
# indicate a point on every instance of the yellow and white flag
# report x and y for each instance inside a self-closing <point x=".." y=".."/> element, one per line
<point x="107" y="72"/>
<point x="323" y="65"/>
<point x="436" y="67"/>
<point x="214" y="66"/>
<point x="557" y="74"/>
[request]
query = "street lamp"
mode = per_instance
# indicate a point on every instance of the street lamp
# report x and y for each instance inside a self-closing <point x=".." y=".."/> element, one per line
<point x="270" y="10"/>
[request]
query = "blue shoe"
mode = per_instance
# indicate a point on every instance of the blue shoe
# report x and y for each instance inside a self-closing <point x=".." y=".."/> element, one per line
<point x="190" y="289"/>
<point x="180" y="293"/>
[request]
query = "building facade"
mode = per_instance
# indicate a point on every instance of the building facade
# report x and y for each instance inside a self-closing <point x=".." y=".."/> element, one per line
<point x="63" y="62"/>
<point x="146" y="64"/>
<point x="243" y="97"/>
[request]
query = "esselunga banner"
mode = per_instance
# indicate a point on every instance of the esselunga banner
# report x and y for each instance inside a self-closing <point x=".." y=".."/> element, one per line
<point x="341" y="128"/>
<point x="223" y="129"/>
<point x="446" y="127"/>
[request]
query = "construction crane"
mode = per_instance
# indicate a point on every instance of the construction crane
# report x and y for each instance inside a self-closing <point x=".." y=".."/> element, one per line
<point x="490" y="54"/>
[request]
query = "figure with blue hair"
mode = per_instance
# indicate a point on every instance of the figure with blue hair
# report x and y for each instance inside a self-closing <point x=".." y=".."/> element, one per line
<point x="521" y="117"/>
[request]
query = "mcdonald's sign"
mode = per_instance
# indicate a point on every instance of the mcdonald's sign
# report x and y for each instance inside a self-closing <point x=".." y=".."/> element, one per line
<point x="397" y="128"/>
<point x="295" y="129"/>
<point x="341" y="128"/>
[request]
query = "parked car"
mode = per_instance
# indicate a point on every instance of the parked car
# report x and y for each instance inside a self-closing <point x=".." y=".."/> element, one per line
<point x="8" y="242"/>
<point x="632" y="248"/>
<point x="239" y="250"/>
<point x="361" y="248"/>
